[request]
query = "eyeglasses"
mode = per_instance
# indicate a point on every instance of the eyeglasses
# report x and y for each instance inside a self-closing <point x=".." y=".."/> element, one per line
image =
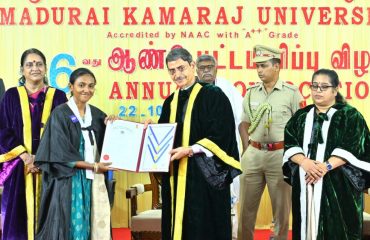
<point x="181" y="69"/>
<point x="323" y="88"/>
<point x="204" y="67"/>
<point x="30" y="65"/>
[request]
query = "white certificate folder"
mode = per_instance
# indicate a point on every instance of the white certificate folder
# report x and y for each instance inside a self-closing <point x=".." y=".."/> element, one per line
<point x="128" y="146"/>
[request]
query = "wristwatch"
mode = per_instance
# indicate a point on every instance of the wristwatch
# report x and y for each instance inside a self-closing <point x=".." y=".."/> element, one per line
<point x="328" y="166"/>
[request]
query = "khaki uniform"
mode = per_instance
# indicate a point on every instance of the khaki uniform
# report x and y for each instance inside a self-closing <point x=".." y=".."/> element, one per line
<point x="261" y="167"/>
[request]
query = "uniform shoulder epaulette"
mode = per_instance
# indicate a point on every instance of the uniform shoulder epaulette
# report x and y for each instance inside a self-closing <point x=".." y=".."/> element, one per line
<point x="254" y="86"/>
<point x="290" y="86"/>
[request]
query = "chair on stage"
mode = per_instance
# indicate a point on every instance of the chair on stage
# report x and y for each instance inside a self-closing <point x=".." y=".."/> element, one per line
<point x="366" y="224"/>
<point x="2" y="88"/>
<point x="146" y="225"/>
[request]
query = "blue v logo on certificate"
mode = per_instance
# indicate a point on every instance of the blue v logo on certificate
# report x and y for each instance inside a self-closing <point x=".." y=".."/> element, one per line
<point x="128" y="146"/>
<point x="158" y="145"/>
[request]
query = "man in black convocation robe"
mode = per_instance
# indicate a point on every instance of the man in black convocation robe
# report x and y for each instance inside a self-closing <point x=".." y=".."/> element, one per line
<point x="196" y="190"/>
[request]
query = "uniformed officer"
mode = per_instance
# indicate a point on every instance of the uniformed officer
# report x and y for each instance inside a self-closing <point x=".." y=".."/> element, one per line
<point x="267" y="107"/>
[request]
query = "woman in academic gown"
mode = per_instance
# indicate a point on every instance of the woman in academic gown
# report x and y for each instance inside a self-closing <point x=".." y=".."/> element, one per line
<point x="24" y="111"/>
<point x="74" y="202"/>
<point x="326" y="161"/>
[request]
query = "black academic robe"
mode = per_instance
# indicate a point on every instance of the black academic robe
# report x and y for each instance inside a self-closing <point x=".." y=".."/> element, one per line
<point x="206" y="209"/>
<point x="338" y="197"/>
<point x="59" y="147"/>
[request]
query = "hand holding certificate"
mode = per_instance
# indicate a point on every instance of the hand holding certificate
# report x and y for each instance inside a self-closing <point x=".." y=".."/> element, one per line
<point x="128" y="146"/>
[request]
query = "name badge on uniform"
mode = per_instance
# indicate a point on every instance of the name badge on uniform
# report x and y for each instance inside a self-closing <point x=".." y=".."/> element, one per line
<point x="254" y="105"/>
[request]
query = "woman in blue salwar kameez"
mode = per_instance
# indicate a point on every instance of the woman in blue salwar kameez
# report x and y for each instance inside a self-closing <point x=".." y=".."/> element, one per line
<point x="74" y="201"/>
